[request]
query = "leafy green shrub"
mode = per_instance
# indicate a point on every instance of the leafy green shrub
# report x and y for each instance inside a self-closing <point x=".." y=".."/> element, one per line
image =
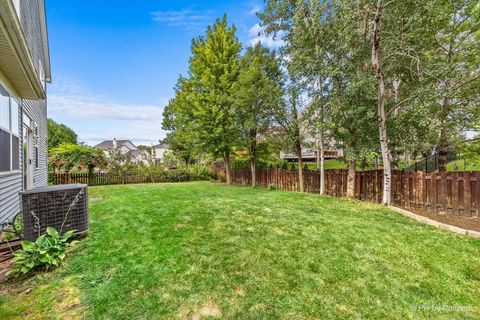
<point x="178" y="175"/>
<point x="47" y="251"/>
<point x="201" y="172"/>
<point x="272" y="187"/>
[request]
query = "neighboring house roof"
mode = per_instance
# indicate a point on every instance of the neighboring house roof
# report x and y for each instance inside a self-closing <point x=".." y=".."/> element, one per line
<point x="108" y="144"/>
<point x="135" y="152"/>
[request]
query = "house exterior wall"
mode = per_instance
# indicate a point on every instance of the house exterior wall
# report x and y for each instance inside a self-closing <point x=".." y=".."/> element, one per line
<point x="37" y="111"/>
<point x="159" y="152"/>
<point x="124" y="149"/>
<point x="11" y="183"/>
<point x="31" y="16"/>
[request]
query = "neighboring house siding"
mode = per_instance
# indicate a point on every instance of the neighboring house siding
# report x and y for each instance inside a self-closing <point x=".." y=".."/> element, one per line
<point x="37" y="111"/>
<point x="159" y="153"/>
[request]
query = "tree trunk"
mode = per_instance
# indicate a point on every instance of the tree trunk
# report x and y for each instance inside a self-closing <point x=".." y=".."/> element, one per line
<point x="90" y="174"/>
<point x="300" y="167"/>
<point x="226" y="159"/>
<point x="443" y="151"/>
<point x="443" y="140"/>
<point x="322" y="164"/>
<point x="253" y="161"/>
<point x="321" y="167"/>
<point x="382" y="118"/>
<point x="351" y="179"/>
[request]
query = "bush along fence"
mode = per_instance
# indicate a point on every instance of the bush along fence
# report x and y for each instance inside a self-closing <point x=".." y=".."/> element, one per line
<point x="98" y="179"/>
<point x="456" y="193"/>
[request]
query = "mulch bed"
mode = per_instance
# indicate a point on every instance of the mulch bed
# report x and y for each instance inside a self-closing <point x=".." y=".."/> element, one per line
<point x="451" y="219"/>
<point x="6" y="249"/>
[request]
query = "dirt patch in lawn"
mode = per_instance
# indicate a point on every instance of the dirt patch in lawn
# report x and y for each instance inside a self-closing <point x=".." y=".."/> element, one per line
<point x="210" y="310"/>
<point x="454" y="220"/>
<point x="65" y="302"/>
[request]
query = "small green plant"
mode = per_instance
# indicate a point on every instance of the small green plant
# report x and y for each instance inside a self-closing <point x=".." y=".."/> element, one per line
<point x="47" y="251"/>
<point x="272" y="187"/>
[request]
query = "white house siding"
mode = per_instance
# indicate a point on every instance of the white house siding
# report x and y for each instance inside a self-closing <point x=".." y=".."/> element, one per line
<point x="159" y="152"/>
<point x="10" y="186"/>
<point x="12" y="183"/>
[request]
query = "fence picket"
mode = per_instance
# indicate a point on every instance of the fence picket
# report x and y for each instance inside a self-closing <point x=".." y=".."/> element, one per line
<point x="445" y="192"/>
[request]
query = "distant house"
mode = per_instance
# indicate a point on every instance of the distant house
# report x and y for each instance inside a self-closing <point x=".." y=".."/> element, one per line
<point x="125" y="147"/>
<point x="159" y="151"/>
<point x="24" y="72"/>
<point x="311" y="154"/>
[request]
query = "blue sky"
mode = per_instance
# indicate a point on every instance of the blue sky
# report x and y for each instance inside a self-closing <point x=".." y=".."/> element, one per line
<point x="114" y="63"/>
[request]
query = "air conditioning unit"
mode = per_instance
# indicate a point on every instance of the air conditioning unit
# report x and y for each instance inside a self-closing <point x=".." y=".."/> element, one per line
<point x="63" y="207"/>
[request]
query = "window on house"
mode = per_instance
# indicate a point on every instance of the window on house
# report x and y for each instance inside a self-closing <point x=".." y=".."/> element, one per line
<point x="9" y="133"/>
<point x="15" y="120"/>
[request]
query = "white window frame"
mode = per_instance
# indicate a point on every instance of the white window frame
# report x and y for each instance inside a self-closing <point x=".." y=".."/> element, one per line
<point x="11" y="134"/>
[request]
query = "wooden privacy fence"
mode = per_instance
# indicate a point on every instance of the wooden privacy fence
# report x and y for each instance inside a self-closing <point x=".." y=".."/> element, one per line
<point x="455" y="193"/>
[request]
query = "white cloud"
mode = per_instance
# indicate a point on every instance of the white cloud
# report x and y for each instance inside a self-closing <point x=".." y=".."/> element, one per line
<point x="257" y="34"/>
<point x="185" y="18"/>
<point x="90" y="107"/>
<point x="97" y="118"/>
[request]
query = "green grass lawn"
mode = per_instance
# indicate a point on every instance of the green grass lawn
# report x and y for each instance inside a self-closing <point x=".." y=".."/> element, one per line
<point x="205" y="250"/>
<point x="463" y="165"/>
<point x="335" y="164"/>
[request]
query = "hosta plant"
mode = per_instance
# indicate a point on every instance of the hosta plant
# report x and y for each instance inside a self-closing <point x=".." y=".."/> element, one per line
<point x="47" y="251"/>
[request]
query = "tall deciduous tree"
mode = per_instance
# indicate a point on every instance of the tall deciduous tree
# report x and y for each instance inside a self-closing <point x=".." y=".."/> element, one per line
<point x="177" y="120"/>
<point x="401" y="34"/>
<point x="256" y="95"/>
<point x="213" y="71"/>
<point x="453" y="65"/>
<point x="59" y="133"/>
<point x="290" y="118"/>
<point x="351" y="89"/>
<point x="308" y="53"/>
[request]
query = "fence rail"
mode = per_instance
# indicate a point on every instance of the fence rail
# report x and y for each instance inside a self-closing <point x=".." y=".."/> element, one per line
<point x="455" y="193"/>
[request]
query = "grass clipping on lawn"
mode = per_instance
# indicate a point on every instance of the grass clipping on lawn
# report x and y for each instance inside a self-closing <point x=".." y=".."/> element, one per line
<point x="202" y="250"/>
